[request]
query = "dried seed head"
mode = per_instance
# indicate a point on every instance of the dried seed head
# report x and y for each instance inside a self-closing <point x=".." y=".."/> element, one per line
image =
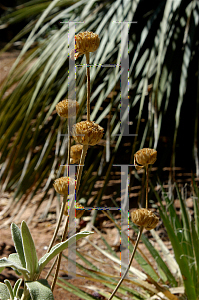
<point x="64" y="185"/>
<point x="75" y="154"/>
<point x="85" y="42"/>
<point x="144" y="217"/>
<point x="79" y="210"/>
<point x="67" y="108"/>
<point x="143" y="157"/>
<point x="87" y="133"/>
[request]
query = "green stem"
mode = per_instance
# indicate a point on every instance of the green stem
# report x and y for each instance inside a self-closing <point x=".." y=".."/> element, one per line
<point x="130" y="262"/>
<point x="26" y="294"/>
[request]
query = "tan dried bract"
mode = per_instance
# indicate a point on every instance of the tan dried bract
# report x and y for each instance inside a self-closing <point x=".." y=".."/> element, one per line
<point x="75" y="154"/>
<point x="144" y="217"/>
<point x="79" y="210"/>
<point x="143" y="157"/>
<point x="67" y="108"/>
<point x="64" y="185"/>
<point x="87" y="133"/>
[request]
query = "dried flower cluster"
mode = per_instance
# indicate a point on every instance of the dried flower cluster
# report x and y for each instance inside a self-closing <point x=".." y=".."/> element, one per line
<point x="85" y="42"/>
<point x="67" y="108"/>
<point x="64" y="185"/>
<point x="87" y="133"/>
<point x="75" y="153"/>
<point x="143" y="157"/>
<point x="144" y="217"/>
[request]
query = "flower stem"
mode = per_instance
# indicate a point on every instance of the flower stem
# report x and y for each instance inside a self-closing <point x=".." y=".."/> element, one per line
<point x="59" y="256"/>
<point x="79" y="173"/>
<point x="147" y="185"/>
<point x="58" y="224"/>
<point x="88" y="86"/>
<point x="130" y="262"/>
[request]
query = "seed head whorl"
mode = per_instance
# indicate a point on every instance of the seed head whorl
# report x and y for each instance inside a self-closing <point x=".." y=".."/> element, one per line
<point x="67" y="108"/>
<point x="64" y="185"/>
<point x="143" y="157"/>
<point x="75" y="153"/>
<point x="87" y="133"/>
<point x="79" y="210"/>
<point x="144" y="217"/>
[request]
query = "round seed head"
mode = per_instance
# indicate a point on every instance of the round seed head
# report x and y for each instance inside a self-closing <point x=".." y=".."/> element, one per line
<point x="143" y="157"/>
<point x="64" y="185"/>
<point x="79" y="210"/>
<point x="67" y="108"/>
<point x="75" y="154"/>
<point x="87" y="42"/>
<point x="144" y="217"/>
<point x="87" y="133"/>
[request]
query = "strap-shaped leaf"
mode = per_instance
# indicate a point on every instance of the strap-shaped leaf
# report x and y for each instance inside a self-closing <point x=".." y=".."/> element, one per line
<point x="60" y="247"/>
<point x="40" y="289"/>
<point x="4" y="293"/>
<point x="16" y="236"/>
<point x="29" y="250"/>
<point x="17" y="286"/>
<point x="5" y="263"/>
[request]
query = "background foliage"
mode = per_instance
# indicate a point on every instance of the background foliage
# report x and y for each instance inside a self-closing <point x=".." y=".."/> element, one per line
<point x="163" y="53"/>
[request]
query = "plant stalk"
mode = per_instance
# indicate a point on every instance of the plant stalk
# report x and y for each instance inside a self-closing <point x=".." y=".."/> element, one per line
<point x="58" y="224"/>
<point x="79" y="174"/>
<point x="88" y="86"/>
<point x="59" y="256"/>
<point x="130" y="262"/>
<point x="65" y="198"/>
<point x="147" y="185"/>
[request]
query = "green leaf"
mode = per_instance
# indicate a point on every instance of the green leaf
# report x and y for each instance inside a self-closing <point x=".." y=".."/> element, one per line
<point x="14" y="257"/>
<point x="60" y="247"/>
<point x="17" y="286"/>
<point x="180" y="257"/>
<point x="29" y="250"/>
<point x="40" y="290"/>
<point x="195" y="242"/>
<point x="4" y="292"/>
<point x="8" y="284"/>
<point x="16" y="236"/>
<point x="5" y="263"/>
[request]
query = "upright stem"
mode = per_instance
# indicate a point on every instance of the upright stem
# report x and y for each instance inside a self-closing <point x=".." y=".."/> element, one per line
<point x="59" y="256"/>
<point x="69" y="146"/>
<point x="58" y="223"/>
<point x="130" y="262"/>
<point x="81" y="165"/>
<point x="147" y="185"/>
<point x="88" y="86"/>
<point x="66" y="226"/>
<point x="84" y="150"/>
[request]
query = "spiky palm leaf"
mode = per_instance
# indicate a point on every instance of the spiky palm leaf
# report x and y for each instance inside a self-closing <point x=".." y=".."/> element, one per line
<point x="162" y="51"/>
